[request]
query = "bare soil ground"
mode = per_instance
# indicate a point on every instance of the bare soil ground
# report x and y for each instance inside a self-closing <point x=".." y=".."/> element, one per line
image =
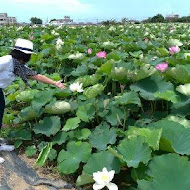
<point x="18" y="172"/>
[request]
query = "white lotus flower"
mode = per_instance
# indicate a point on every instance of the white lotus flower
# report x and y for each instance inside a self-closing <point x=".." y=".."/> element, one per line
<point x="59" y="43"/>
<point x="53" y="32"/>
<point x="108" y="43"/>
<point x="103" y="179"/>
<point x="76" y="56"/>
<point x="112" y="28"/>
<point x="76" y="87"/>
<point x="19" y="28"/>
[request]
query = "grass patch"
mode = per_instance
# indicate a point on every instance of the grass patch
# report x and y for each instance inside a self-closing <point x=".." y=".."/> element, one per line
<point x="5" y="131"/>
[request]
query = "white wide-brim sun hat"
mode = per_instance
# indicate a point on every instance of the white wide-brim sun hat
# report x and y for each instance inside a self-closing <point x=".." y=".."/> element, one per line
<point x="26" y="46"/>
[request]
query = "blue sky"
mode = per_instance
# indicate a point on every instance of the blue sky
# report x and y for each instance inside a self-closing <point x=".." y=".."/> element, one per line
<point x="92" y="10"/>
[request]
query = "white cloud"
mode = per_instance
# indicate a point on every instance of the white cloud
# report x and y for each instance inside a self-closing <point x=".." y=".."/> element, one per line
<point x="64" y="5"/>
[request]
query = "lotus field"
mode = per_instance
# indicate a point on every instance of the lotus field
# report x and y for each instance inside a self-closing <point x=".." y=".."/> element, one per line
<point x="123" y="120"/>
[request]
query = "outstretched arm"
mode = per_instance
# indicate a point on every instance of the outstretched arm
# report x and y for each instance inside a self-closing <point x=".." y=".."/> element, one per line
<point x="44" y="79"/>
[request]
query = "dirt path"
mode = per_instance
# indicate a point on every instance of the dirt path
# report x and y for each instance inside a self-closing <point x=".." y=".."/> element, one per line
<point x="16" y="174"/>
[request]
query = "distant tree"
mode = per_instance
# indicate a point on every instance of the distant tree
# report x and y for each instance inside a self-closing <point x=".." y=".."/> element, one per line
<point x="53" y="20"/>
<point x="35" y="20"/>
<point x="184" y="19"/>
<point x="157" y="18"/>
<point x="148" y="20"/>
<point x="124" y="20"/>
<point x="109" y="22"/>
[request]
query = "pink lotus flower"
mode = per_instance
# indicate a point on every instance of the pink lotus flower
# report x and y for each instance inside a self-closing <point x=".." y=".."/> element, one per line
<point x="89" y="51"/>
<point x="31" y="37"/>
<point x="146" y="40"/>
<point x="101" y="54"/>
<point x="174" y="49"/>
<point x="162" y="66"/>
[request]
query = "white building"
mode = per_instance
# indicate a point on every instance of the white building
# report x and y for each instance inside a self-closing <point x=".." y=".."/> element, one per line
<point x="4" y="19"/>
<point x="172" y="17"/>
<point x="64" y="21"/>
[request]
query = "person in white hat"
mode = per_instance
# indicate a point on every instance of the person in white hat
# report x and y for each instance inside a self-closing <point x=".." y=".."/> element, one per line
<point x="14" y="65"/>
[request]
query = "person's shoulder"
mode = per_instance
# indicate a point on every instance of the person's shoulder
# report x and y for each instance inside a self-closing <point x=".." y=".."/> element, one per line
<point x="5" y="59"/>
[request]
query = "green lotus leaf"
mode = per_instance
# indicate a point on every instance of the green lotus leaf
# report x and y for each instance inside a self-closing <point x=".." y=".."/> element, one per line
<point x="98" y="161"/>
<point x="174" y="42"/>
<point x="77" y="152"/>
<point x="147" y="87"/>
<point x="26" y="96"/>
<point x="88" y="80"/>
<point x="181" y="120"/>
<point x="115" y="115"/>
<point x="175" y="134"/>
<point x="134" y="151"/>
<point x="17" y="143"/>
<point x="55" y="76"/>
<point x="117" y="55"/>
<point x="102" y="136"/>
<point x="52" y="154"/>
<point x="143" y="184"/>
<point x="108" y="45"/>
<point x="86" y="112"/>
<point x="163" y="51"/>
<point x="48" y="126"/>
<point x="71" y="123"/>
<point x="176" y="166"/>
<point x="119" y="73"/>
<point x="180" y="73"/>
<point x="80" y="71"/>
<point x="168" y="95"/>
<point x="62" y="93"/>
<point x="58" y="107"/>
<point x="128" y="98"/>
<point x="30" y="150"/>
<point x="151" y="136"/>
<point x="23" y="134"/>
<point x="8" y="118"/>
<point x="107" y="66"/>
<point x="136" y="54"/>
<point x="181" y="108"/>
<point x="42" y="98"/>
<point x="84" y="179"/>
<point x="144" y="71"/>
<point x="142" y="45"/>
<point x="28" y="114"/>
<point x="82" y="134"/>
<point x="184" y="89"/>
<point x="41" y="145"/>
<point x="93" y="91"/>
<point x="60" y="138"/>
<point x="43" y="156"/>
<point x="12" y="97"/>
